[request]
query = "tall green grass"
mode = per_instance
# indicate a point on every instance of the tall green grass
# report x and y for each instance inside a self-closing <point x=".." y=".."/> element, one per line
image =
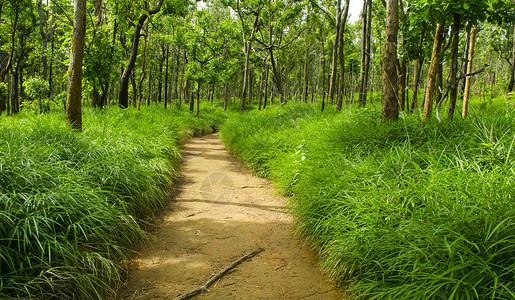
<point x="71" y="204"/>
<point x="397" y="211"/>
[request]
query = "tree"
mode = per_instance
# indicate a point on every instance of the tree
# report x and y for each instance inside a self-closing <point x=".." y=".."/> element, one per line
<point x="389" y="100"/>
<point x="247" y="43"/>
<point x="74" y="90"/>
<point x="123" y="96"/>
<point x="469" y="71"/>
<point x="433" y="69"/>
<point x="341" y="55"/>
<point x="366" y="16"/>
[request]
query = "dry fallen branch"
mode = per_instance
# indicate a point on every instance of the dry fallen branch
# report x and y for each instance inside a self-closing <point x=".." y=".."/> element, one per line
<point x="204" y="288"/>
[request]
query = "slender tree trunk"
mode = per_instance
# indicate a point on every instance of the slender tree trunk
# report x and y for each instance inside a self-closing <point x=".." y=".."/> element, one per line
<point x="14" y="90"/>
<point x="198" y="99"/>
<point x="464" y="64"/>
<point x="226" y="96"/>
<point x="469" y="70"/>
<point x="266" y="86"/>
<point x="143" y="69"/>
<point x="417" y="68"/>
<point x="160" y="83"/>
<point x="512" y="70"/>
<point x="166" y="75"/>
<point x="74" y="90"/>
<point x="306" y="75"/>
<point x="192" y="102"/>
<point x="453" y="84"/>
<point x="433" y="70"/>
<point x="341" y="55"/>
<point x="365" y="52"/>
<point x="332" y="81"/>
<point x="123" y="96"/>
<point x="322" y="72"/>
<point x="390" y="89"/>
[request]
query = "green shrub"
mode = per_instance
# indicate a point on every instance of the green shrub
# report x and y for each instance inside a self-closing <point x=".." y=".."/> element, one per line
<point x="71" y="204"/>
<point x="397" y="211"/>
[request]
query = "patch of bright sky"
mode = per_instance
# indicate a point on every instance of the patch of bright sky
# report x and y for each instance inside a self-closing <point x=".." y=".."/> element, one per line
<point x="355" y="7"/>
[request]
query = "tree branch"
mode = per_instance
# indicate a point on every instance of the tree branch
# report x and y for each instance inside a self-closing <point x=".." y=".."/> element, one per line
<point x="204" y="288"/>
<point x="327" y="13"/>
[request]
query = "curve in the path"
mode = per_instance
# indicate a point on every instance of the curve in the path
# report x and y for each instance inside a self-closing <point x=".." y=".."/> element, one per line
<point x="220" y="213"/>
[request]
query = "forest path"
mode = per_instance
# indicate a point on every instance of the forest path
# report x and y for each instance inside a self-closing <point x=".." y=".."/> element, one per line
<point x="220" y="213"/>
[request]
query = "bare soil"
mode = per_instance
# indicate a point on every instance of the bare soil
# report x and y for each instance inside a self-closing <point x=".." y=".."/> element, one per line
<point x="220" y="213"/>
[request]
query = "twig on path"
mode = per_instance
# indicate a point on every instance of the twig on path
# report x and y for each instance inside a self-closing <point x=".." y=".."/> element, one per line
<point x="204" y="288"/>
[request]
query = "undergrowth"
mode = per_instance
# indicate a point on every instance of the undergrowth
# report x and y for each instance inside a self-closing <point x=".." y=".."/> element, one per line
<point x="397" y="211"/>
<point x="72" y="204"/>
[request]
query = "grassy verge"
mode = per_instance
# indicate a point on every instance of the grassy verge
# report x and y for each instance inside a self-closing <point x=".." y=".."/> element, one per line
<point x="397" y="211"/>
<point x="71" y="204"/>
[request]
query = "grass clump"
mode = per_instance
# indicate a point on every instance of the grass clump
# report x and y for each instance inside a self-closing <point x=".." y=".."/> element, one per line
<point x="401" y="210"/>
<point x="71" y="205"/>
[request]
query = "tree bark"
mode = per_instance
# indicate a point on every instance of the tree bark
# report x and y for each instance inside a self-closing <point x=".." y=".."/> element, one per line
<point x="166" y="75"/>
<point x="334" y="63"/>
<point x="123" y="96"/>
<point x="365" y="53"/>
<point x="389" y="100"/>
<point x="341" y="56"/>
<point x="323" y="73"/>
<point x="417" y="68"/>
<point x="74" y="90"/>
<point x="433" y="70"/>
<point x="469" y="70"/>
<point x="143" y="70"/>
<point x="266" y="86"/>
<point x="453" y="84"/>
<point x="306" y="75"/>
<point x="247" y="44"/>
<point x="512" y="70"/>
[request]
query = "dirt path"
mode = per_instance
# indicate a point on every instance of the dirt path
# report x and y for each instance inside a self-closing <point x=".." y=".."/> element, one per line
<point x="221" y="213"/>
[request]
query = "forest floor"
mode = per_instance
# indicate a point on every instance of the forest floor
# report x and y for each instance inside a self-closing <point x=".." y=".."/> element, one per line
<point x="219" y="213"/>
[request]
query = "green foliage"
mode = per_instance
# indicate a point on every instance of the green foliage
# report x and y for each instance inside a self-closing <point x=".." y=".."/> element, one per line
<point x="397" y="211"/>
<point x="71" y="204"/>
<point x="37" y="90"/>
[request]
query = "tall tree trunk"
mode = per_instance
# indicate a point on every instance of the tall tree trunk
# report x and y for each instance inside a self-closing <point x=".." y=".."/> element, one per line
<point x="322" y="72"/>
<point x="247" y="45"/>
<point x="433" y="70"/>
<point x="417" y="68"/>
<point x="14" y="91"/>
<point x="74" y="90"/>
<point x="176" y="93"/>
<point x="389" y="100"/>
<point x="365" y="52"/>
<point x="10" y="58"/>
<point x="469" y="70"/>
<point x="453" y="84"/>
<point x="166" y="75"/>
<point x="143" y="70"/>
<point x="123" y="96"/>
<point x="512" y="70"/>
<point x="226" y="96"/>
<point x="160" y="83"/>
<point x="341" y="55"/>
<point x="306" y="75"/>
<point x="464" y="64"/>
<point x="266" y="85"/>
<point x="332" y="81"/>
<point x="245" y="77"/>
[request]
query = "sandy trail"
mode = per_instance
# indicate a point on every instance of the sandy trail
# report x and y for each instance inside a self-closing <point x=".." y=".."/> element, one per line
<point x="222" y="212"/>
